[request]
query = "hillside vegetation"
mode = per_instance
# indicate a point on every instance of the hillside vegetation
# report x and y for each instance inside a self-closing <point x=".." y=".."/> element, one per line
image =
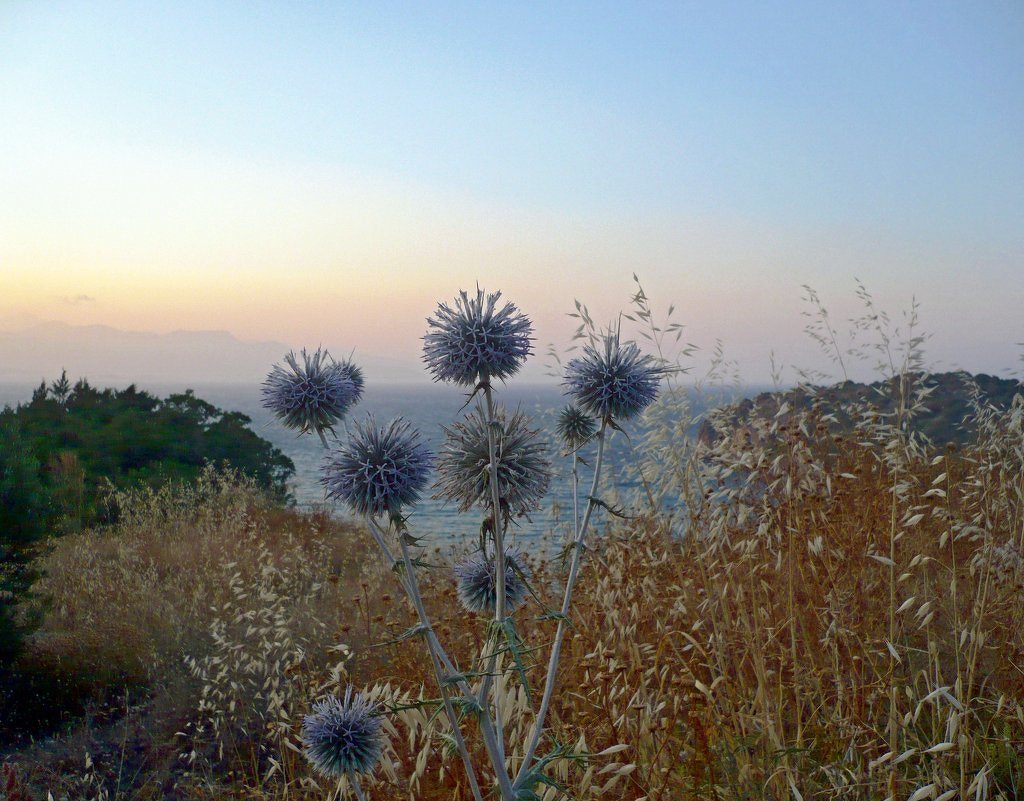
<point x="88" y="439"/>
<point x="832" y="612"/>
<point x="945" y="414"/>
<point x="65" y="452"/>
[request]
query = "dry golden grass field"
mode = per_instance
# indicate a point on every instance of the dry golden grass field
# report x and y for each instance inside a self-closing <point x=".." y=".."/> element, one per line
<point x="836" y="614"/>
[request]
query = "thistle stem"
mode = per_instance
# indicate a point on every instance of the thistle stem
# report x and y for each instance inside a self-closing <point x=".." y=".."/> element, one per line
<point x="556" y="648"/>
<point x="493" y="670"/>
<point x="499" y="529"/>
<point x="357" y="788"/>
<point x="441" y="664"/>
<point x="575" y="491"/>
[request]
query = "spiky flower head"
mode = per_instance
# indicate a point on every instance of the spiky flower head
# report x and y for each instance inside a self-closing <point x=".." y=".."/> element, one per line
<point x="574" y="427"/>
<point x="379" y="469"/>
<point x="343" y="735"/>
<point x="355" y="375"/>
<point x="476" y="341"/>
<point x="477" y="586"/>
<point x="463" y="466"/>
<point x="613" y="381"/>
<point x="313" y="395"/>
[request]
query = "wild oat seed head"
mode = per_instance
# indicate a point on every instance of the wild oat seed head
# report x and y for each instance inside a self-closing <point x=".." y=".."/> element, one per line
<point x="477" y="586"/>
<point x="463" y="466"/>
<point x="1007" y="564"/>
<point x="314" y="395"/>
<point x="574" y="427"/>
<point x="475" y="340"/>
<point x="379" y="469"/>
<point x="343" y="735"/>
<point x="616" y="381"/>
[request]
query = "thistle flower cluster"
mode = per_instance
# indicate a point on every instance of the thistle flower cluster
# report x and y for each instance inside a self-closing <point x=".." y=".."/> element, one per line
<point x="379" y="469"/>
<point x="464" y="465"/>
<point x="343" y="735"/>
<point x="476" y="341"/>
<point x="477" y="586"/>
<point x="315" y="395"/>
<point x="614" y="382"/>
<point x="491" y="456"/>
<point x="574" y="427"/>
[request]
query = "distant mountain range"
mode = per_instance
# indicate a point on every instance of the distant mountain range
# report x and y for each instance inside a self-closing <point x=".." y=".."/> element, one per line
<point x="943" y="418"/>
<point x="101" y="353"/>
<point x="31" y="350"/>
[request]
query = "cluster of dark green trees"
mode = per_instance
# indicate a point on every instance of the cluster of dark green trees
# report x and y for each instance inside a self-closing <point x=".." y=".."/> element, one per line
<point x="64" y="451"/>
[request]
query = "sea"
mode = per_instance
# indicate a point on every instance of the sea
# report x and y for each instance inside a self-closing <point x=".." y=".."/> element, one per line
<point x="427" y="407"/>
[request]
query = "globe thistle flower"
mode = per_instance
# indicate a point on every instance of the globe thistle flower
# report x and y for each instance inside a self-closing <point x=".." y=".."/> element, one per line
<point x="614" y="382"/>
<point x="343" y="735"/>
<point x="477" y="586"/>
<point x="380" y="468"/>
<point x="475" y="340"/>
<point x="574" y="427"/>
<point x="355" y="375"/>
<point x="463" y="465"/>
<point x="312" y="396"/>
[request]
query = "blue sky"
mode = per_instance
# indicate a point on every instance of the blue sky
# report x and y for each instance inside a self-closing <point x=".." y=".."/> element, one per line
<point x="196" y="165"/>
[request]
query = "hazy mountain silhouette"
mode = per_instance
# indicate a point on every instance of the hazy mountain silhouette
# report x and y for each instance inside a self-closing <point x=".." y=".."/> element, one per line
<point x="31" y="350"/>
<point x="42" y="350"/>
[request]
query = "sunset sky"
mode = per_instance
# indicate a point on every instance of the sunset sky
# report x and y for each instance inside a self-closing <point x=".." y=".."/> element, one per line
<point x="327" y="172"/>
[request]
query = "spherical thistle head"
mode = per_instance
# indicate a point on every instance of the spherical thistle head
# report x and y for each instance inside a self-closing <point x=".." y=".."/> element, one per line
<point x="313" y="395"/>
<point x="379" y="469"/>
<point x="476" y="578"/>
<point x="343" y="735"/>
<point x="354" y="374"/>
<point x="463" y="466"/>
<point x="574" y="427"/>
<point x="476" y="341"/>
<point x="613" y="381"/>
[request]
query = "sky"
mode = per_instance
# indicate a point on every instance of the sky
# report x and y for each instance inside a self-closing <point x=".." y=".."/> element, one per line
<point x="326" y="173"/>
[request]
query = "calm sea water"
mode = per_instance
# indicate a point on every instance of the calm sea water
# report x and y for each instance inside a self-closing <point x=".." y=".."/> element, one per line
<point x="427" y="407"/>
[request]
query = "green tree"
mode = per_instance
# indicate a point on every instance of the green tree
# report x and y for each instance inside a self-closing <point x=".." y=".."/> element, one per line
<point x="60" y="389"/>
<point x="24" y="510"/>
<point x="89" y="439"/>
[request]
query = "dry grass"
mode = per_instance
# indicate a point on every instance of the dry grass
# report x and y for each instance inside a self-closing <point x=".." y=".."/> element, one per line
<point x="841" y="619"/>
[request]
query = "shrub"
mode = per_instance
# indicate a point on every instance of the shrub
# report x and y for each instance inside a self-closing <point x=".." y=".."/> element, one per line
<point x="24" y="512"/>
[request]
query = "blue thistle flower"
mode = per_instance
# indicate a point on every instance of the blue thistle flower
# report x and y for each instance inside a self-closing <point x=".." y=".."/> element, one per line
<point x="463" y="465"/>
<point x="355" y="375"/>
<point x="343" y="735"/>
<point x="315" y="395"/>
<point x="476" y="578"/>
<point x="574" y="427"/>
<point x="380" y="468"/>
<point x="475" y="341"/>
<point x="615" y="382"/>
